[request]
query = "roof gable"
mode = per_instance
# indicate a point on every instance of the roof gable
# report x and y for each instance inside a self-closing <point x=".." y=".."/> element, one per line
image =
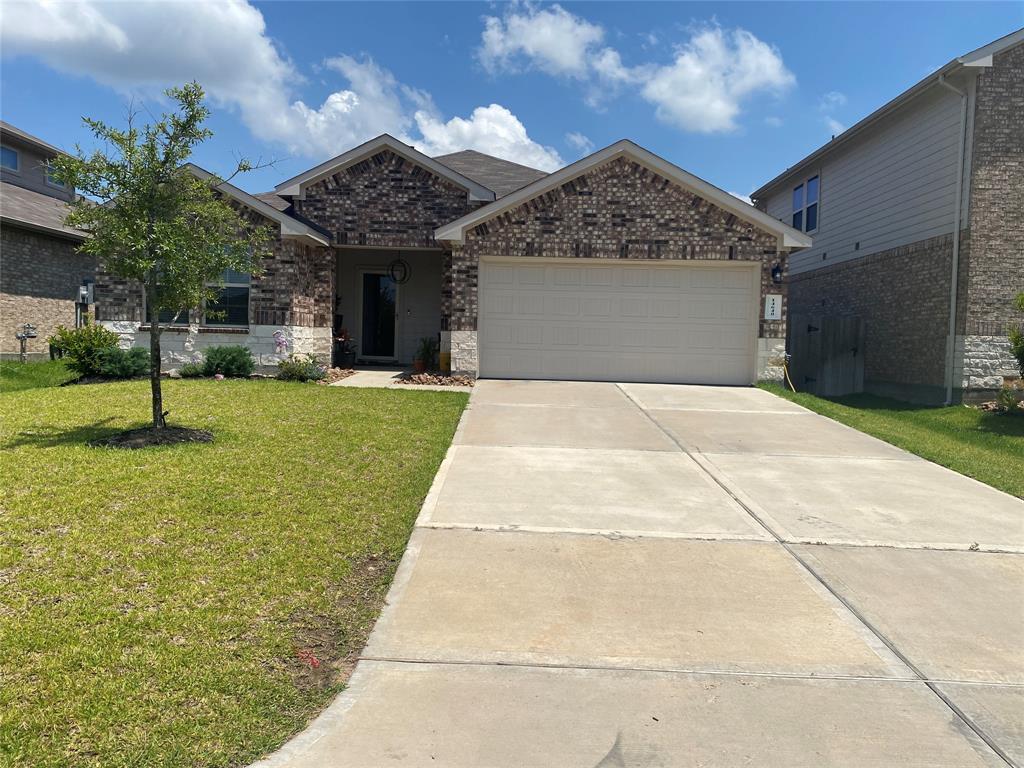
<point x="295" y="186"/>
<point x="291" y="228"/>
<point x="788" y="237"/>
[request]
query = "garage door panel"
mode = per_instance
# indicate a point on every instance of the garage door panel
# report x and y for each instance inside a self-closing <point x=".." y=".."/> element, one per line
<point x="610" y="321"/>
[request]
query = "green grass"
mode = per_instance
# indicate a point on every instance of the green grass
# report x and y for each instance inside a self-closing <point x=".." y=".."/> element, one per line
<point x="158" y="607"/>
<point x="15" y="376"/>
<point x="986" y="446"/>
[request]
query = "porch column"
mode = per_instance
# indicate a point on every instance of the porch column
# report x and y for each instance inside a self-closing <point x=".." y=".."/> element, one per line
<point x="458" y="352"/>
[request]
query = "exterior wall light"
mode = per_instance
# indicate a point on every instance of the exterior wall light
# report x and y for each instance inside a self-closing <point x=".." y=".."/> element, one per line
<point x="776" y="273"/>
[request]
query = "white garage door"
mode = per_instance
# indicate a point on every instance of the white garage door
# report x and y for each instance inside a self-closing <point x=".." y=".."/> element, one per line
<point x="682" y="322"/>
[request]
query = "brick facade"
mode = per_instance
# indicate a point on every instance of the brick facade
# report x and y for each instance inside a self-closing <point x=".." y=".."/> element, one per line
<point x="902" y="295"/>
<point x="620" y="210"/>
<point x="996" y="272"/>
<point x="384" y="201"/>
<point x="39" y="281"/>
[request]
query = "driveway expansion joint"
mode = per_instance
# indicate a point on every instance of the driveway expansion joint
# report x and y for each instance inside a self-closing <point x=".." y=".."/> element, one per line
<point x="889" y="644"/>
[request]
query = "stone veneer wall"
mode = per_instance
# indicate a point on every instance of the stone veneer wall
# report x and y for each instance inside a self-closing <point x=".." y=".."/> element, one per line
<point x="902" y="294"/>
<point x="620" y="210"/>
<point x="293" y="298"/>
<point x="384" y="201"/>
<point x="39" y="279"/>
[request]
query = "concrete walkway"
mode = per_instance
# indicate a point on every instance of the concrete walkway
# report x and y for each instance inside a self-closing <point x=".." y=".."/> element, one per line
<point x="646" y="575"/>
<point x="390" y="378"/>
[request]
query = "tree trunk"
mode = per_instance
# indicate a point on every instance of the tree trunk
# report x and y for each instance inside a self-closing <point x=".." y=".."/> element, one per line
<point x="154" y="361"/>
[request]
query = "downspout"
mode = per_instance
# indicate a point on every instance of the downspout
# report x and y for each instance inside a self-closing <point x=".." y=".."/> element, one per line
<point x="955" y="268"/>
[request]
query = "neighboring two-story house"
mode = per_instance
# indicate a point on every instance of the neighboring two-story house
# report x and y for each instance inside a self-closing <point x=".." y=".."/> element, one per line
<point x="917" y="217"/>
<point x="40" y="268"/>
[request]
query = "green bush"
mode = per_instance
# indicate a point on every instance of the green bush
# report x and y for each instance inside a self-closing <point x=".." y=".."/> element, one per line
<point x="117" y="363"/>
<point x="83" y="346"/>
<point x="1017" y="337"/>
<point x="231" y="360"/>
<point x="301" y="368"/>
<point x="1008" y="400"/>
<point x="191" y="370"/>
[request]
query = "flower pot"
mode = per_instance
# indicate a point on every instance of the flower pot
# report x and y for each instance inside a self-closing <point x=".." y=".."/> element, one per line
<point x="346" y="359"/>
<point x="419" y="366"/>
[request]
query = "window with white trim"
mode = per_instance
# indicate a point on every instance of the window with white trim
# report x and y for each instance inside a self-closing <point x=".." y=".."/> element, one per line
<point x="805" y="205"/>
<point x="231" y="305"/>
<point x="9" y="158"/>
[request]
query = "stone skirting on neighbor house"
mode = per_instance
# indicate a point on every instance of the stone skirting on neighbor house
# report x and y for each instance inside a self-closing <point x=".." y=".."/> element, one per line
<point x="269" y="344"/>
<point x="39" y="282"/>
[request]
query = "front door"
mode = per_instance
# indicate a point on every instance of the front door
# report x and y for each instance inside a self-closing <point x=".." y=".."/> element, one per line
<point x="380" y="296"/>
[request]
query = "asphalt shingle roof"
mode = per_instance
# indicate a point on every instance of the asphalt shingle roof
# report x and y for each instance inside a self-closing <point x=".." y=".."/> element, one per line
<point x="37" y="211"/>
<point x="500" y="176"/>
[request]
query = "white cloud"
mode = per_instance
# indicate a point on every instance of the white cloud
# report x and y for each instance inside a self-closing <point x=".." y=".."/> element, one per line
<point x="144" y="47"/>
<point x="831" y="101"/>
<point x="550" y="39"/>
<point x="745" y="198"/>
<point x="703" y="89"/>
<point x="834" y="126"/>
<point x="493" y="130"/>
<point x="773" y="121"/>
<point x="579" y="142"/>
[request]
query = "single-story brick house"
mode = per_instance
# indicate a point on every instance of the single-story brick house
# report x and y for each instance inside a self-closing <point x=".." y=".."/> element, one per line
<point x="620" y="266"/>
<point x="917" y="214"/>
<point x="41" y="269"/>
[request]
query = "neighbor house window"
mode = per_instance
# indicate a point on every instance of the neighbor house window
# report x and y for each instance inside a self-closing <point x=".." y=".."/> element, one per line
<point x="231" y="305"/>
<point x="805" y="205"/>
<point x="9" y="158"/>
<point x="51" y="179"/>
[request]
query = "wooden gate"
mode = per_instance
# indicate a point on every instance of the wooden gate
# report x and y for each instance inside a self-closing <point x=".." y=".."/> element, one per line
<point x="827" y="354"/>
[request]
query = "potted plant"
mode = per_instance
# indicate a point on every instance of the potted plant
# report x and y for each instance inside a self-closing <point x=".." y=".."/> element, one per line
<point x="344" y="350"/>
<point x="425" y="354"/>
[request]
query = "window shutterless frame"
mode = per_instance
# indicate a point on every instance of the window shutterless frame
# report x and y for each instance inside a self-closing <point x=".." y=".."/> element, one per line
<point x="51" y="180"/>
<point x="10" y="159"/>
<point x="806" y="197"/>
<point x="232" y="303"/>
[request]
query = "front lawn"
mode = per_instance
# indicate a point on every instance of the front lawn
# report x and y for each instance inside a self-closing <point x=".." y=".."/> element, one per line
<point x="986" y="446"/>
<point x="196" y="605"/>
<point x="15" y="375"/>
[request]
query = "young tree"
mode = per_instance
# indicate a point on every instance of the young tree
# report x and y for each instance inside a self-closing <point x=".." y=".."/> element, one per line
<point x="156" y="221"/>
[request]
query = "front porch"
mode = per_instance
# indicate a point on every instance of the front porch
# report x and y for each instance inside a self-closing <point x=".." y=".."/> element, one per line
<point x="387" y="300"/>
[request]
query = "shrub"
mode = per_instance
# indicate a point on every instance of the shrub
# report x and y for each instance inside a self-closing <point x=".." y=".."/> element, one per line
<point x="231" y="360"/>
<point x="427" y="351"/>
<point x="117" y="363"/>
<point x="1017" y="336"/>
<point x="1008" y="400"/>
<point x="191" y="370"/>
<point x="301" y="368"/>
<point x="82" y="346"/>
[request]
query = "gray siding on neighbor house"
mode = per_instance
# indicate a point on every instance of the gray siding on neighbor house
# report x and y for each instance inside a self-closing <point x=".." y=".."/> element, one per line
<point x="892" y="186"/>
<point x="31" y="173"/>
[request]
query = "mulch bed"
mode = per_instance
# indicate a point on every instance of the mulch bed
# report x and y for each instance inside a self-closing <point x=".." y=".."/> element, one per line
<point x="437" y="380"/>
<point x="337" y="374"/>
<point x="147" y="436"/>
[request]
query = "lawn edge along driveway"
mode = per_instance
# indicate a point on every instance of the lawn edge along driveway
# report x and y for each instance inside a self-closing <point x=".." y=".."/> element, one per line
<point x="986" y="446"/>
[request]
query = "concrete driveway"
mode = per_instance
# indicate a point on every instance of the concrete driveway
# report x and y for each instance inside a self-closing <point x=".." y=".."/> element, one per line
<point x="647" y="575"/>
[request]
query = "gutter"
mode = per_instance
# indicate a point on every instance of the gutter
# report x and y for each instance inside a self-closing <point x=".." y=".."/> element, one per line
<point x="955" y="267"/>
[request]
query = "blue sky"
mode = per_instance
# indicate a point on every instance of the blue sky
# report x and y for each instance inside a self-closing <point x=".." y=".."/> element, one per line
<point x="733" y="92"/>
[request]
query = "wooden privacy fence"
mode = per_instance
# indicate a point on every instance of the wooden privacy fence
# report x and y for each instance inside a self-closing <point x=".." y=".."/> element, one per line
<point x="827" y="354"/>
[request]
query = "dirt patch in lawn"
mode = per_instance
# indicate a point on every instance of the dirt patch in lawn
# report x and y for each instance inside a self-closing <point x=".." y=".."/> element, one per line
<point x="148" y="436"/>
<point x="326" y="648"/>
